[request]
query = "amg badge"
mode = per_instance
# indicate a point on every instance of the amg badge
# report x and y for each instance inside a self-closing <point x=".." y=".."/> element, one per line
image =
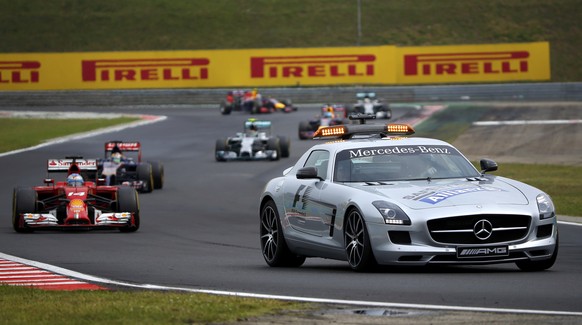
<point x="465" y="252"/>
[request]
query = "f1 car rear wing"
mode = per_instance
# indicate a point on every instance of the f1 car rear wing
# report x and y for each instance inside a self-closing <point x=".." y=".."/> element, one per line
<point x="120" y="146"/>
<point x="63" y="165"/>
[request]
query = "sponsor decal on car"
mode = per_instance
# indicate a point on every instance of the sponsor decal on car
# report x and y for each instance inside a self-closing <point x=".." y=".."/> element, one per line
<point x="432" y="196"/>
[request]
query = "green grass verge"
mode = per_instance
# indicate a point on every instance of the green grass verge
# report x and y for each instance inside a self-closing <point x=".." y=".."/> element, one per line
<point x="134" y="25"/>
<point x="18" y="133"/>
<point x="24" y="305"/>
<point x="560" y="182"/>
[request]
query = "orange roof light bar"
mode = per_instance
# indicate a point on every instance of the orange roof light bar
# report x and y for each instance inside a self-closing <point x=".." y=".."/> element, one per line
<point x="399" y="129"/>
<point x="330" y="131"/>
<point x="348" y="130"/>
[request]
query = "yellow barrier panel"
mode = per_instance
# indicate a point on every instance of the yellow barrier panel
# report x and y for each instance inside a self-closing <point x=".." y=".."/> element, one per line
<point x="473" y="63"/>
<point x="197" y="69"/>
<point x="374" y="65"/>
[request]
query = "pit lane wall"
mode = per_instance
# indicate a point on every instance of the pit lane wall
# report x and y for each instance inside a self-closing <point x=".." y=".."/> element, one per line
<point x="294" y="67"/>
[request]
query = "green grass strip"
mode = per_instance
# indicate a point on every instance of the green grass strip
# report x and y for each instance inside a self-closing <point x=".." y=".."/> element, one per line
<point x="18" y="133"/>
<point x="24" y="305"/>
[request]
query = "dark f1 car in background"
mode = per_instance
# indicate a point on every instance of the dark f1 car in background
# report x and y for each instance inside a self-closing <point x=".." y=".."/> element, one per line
<point x="367" y="103"/>
<point x="330" y="115"/>
<point x="251" y="101"/>
<point x="256" y="142"/>
<point x="118" y="169"/>
<point x="80" y="202"/>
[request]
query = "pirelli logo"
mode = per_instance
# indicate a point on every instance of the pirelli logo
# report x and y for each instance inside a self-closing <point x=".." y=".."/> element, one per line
<point x="358" y="65"/>
<point x="145" y="69"/>
<point x="19" y="72"/>
<point x="512" y="62"/>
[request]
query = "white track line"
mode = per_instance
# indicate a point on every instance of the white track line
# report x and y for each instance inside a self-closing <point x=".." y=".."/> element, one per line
<point x="525" y="122"/>
<point x="91" y="278"/>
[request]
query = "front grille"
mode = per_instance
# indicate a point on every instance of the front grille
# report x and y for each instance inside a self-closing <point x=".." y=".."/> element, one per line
<point x="460" y="230"/>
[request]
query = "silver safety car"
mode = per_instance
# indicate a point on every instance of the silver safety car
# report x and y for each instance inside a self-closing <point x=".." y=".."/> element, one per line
<point x="376" y="197"/>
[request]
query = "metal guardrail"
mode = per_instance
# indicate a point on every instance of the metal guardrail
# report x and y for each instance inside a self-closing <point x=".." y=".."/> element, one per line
<point x="396" y="94"/>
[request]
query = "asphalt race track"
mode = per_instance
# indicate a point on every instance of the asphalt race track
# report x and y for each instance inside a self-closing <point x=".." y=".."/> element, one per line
<point x="201" y="230"/>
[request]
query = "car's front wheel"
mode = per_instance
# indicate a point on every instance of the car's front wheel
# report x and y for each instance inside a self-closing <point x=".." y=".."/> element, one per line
<point x="273" y="245"/>
<point x="357" y="243"/>
<point x="529" y="266"/>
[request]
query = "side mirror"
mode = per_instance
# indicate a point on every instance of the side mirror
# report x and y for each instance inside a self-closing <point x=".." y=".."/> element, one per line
<point x="307" y="173"/>
<point x="488" y="165"/>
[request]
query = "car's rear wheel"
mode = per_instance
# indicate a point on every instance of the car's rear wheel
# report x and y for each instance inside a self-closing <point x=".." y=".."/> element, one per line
<point x="357" y="243"/>
<point x="534" y="266"/>
<point x="273" y="245"/>
<point x="127" y="201"/>
<point x="23" y="201"/>
<point x="145" y="174"/>
<point x="158" y="174"/>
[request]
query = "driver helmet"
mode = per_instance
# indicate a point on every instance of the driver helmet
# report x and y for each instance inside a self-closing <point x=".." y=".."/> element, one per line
<point x="75" y="180"/>
<point x="327" y="115"/>
<point x="116" y="157"/>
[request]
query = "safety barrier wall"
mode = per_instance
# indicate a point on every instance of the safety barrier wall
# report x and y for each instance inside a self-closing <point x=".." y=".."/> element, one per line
<point x="402" y="94"/>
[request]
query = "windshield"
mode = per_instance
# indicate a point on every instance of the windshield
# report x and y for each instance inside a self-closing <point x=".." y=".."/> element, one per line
<point x="400" y="163"/>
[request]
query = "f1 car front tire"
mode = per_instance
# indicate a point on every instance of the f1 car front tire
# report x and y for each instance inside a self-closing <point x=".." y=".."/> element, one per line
<point x="284" y="144"/>
<point x="273" y="245"/>
<point x="127" y="201"/>
<point x="220" y="146"/>
<point x="23" y="201"/>
<point x="275" y="145"/>
<point x="225" y="108"/>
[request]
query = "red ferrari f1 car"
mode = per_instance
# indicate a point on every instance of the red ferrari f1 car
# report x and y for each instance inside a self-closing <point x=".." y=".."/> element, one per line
<point x="80" y="202"/>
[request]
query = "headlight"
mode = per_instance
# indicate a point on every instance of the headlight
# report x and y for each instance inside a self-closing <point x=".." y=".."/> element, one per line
<point x="545" y="206"/>
<point x="391" y="213"/>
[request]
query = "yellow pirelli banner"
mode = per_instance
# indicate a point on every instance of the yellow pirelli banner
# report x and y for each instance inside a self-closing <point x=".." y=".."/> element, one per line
<point x="473" y="63"/>
<point x="374" y="65"/>
<point x="197" y="69"/>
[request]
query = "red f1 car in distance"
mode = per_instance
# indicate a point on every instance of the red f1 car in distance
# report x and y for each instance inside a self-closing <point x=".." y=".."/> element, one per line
<point x="251" y="101"/>
<point x="80" y="202"/>
<point x="120" y="169"/>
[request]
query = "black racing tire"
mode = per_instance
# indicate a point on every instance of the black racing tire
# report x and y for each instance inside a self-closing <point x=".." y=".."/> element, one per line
<point x="304" y="126"/>
<point x="146" y="175"/>
<point x="357" y="243"/>
<point x="158" y="174"/>
<point x="273" y="245"/>
<point x="274" y="144"/>
<point x="128" y="201"/>
<point x="23" y="201"/>
<point x="225" y="108"/>
<point x="285" y="145"/>
<point x="220" y="146"/>
<point x="535" y="266"/>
